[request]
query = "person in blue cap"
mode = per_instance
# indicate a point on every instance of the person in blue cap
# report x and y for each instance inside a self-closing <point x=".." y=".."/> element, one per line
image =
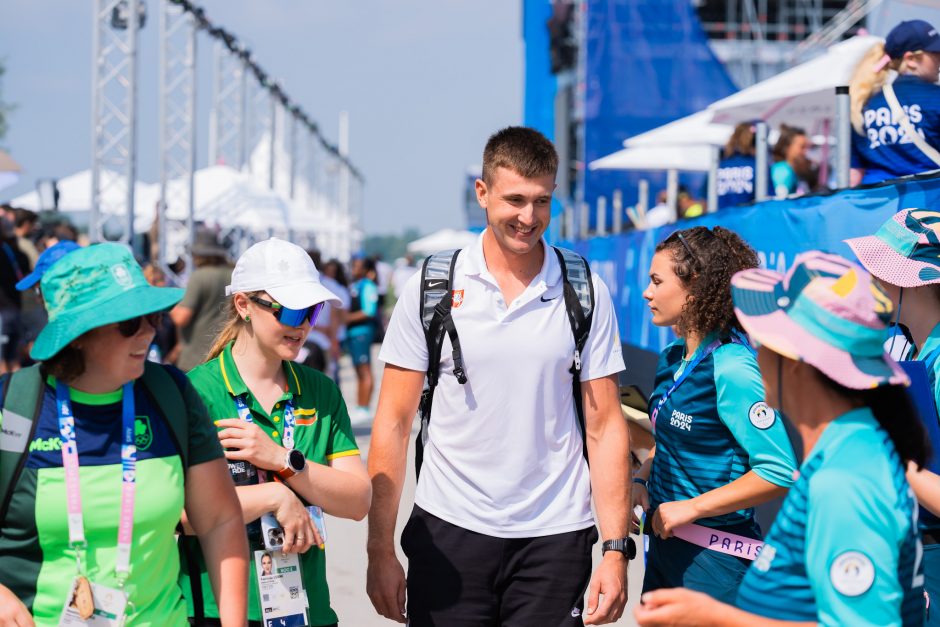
<point x="34" y="310"/>
<point x="46" y="260"/>
<point x="894" y="139"/>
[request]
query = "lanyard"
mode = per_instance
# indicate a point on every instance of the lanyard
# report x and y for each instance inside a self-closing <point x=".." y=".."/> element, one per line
<point x="70" y="463"/>
<point x="287" y="437"/>
<point x="708" y="350"/>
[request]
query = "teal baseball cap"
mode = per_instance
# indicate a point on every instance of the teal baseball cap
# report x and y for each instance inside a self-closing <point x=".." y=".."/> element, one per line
<point x="92" y="287"/>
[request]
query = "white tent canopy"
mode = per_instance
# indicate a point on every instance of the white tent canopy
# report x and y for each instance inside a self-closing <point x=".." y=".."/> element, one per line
<point x="445" y="239"/>
<point x="687" y="158"/>
<point x="75" y="197"/>
<point x="801" y="96"/>
<point x="695" y="129"/>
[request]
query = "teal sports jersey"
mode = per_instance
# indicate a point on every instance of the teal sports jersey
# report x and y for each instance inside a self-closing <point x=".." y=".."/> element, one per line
<point x="36" y="562"/>
<point x="783" y="178"/>
<point x="365" y="296"/>
<point x="714" y="428"/>
<point x="843" y="549"/>
<point x="929" y="353"/>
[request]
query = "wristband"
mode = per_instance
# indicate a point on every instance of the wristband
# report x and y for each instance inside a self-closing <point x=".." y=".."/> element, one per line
<point x="641" y="481"/>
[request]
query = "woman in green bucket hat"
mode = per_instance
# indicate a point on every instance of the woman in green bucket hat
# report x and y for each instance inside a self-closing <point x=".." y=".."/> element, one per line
<point x="99" y="453"/>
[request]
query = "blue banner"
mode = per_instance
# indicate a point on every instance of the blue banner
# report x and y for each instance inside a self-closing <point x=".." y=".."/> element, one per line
<point x="777" y="229"/>
<point x="647" y="63"/>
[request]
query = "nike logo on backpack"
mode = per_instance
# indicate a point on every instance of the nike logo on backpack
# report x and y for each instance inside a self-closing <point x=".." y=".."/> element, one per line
<point x="435" y="285"/>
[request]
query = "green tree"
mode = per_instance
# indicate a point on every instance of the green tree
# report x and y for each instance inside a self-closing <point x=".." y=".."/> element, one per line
<point x="390" y="247"/>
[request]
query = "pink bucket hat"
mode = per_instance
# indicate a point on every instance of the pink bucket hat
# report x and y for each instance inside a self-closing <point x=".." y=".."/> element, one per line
<point x="905" y="251"/>
<point x="825" y="311"/>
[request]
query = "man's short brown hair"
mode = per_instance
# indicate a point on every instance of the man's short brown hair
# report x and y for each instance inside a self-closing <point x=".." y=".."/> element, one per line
<point x="521" y="149"/>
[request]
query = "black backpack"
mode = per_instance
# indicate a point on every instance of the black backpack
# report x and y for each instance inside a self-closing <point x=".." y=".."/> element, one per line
<point x="437" y="277"/>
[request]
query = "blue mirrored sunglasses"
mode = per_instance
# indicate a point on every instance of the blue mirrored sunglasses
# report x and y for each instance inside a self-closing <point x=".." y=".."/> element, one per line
<point x="290" y="317"/>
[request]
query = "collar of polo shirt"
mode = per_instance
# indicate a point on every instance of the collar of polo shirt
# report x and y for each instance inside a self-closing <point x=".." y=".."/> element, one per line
<point x="474" y="264"/>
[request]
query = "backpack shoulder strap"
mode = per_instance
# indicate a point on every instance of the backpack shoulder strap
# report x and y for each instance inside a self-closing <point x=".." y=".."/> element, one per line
<point x="578" y="291"/>
<point x="437" y="279"/>
<point x="166" y="394"/>
<point x="22" y="401"/>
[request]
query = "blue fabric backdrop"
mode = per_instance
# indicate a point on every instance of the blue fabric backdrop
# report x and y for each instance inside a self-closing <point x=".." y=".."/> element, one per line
<point x="777" y="229"/>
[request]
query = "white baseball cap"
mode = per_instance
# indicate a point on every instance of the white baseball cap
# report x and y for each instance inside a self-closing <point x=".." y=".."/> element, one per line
<point x="283" y="270"/>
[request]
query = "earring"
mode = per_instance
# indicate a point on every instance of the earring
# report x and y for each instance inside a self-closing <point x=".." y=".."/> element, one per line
<point x="247" y="318"/>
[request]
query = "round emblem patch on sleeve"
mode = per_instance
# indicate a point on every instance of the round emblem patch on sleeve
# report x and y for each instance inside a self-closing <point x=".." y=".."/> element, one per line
<point x="852" y="573"/>
<point x="761" y="415"/>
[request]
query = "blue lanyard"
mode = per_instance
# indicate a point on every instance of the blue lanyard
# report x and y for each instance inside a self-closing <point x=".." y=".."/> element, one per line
<point x="70" y="463"/>
<point x="708" y="350"/>
<point x="287" y="437"/>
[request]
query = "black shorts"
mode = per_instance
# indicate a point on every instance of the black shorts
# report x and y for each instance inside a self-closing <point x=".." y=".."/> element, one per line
<point x="460" y="578"/>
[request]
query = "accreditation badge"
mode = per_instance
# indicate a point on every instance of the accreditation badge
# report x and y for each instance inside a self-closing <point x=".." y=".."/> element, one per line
<point x="281" y="589"/>
<point x="93" y="604"/>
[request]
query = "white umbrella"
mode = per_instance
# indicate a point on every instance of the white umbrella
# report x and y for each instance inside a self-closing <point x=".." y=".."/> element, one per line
<point x="445" y="239"/>
<point x="690" y="158"/>
<point x="697" y="128"/>
<point x="801" y="96"/>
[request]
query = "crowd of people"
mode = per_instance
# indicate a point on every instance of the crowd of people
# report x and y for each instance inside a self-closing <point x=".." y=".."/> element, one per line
<point x="895" y="116"/>
<point x="132" y="492"/>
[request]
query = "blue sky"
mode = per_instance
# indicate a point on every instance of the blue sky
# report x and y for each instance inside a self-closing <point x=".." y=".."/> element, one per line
<point x="425" y="82"/>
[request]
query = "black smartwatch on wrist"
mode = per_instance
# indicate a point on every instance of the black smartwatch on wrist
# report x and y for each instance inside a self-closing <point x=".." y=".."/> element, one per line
<point x="622" y="545"/>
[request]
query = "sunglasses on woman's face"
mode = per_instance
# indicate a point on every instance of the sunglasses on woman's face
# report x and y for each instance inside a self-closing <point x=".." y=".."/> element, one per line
<point x="290" y="317"/>
<point x="129" y="328"/>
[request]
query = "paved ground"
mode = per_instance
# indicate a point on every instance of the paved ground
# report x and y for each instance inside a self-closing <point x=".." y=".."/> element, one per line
<point x="346" y="544"/>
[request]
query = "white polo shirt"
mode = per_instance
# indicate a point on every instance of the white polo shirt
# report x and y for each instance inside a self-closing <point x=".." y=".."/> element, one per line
<point x="504" y="455"/>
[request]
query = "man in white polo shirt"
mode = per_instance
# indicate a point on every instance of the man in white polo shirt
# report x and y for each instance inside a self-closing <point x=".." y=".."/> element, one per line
<point x="502" y="529"/>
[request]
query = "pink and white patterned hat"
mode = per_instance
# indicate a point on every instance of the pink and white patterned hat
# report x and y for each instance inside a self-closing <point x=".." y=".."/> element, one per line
<point x="826" y="311"/>
<point x="906" y="249"/>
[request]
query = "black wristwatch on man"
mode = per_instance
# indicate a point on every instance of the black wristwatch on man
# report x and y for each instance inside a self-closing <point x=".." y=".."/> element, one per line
<point x="622" y="545"/>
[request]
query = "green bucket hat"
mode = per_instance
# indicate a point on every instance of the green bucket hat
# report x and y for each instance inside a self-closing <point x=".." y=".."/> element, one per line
<point x="92" y="287"/>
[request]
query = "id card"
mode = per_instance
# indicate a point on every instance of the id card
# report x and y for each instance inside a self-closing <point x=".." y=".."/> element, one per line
<point x="280" y="588"/>
<point x="109" y="607"/>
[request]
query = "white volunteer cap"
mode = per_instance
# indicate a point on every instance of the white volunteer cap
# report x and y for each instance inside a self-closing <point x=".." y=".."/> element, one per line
<point x="283" y="270"/>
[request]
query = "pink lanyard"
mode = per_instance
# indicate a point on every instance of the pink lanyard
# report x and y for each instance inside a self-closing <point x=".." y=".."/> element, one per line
<point x="70" y="463"/>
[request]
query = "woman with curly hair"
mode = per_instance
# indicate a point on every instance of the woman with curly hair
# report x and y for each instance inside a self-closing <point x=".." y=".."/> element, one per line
<point x="720" y="450"/>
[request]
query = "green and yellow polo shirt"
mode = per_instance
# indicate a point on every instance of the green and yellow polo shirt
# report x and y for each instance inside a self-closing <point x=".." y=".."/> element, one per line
<point x="36" y="561"/>
<point x="322" y="433"/>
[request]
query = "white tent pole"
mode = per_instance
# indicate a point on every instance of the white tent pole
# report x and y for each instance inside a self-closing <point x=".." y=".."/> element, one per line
<point x="617" y="203"/>
<point x="843" y="136"/>
<point x="672" y="191"/>
<point x="760" y="177"/>
<point x="713" y="180"/>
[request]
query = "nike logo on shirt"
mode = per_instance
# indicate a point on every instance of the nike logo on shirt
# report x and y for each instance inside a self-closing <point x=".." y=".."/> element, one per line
<point x="546" y="300"/>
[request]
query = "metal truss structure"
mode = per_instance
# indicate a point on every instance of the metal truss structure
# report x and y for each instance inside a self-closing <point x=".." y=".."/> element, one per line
<point x="114" y="118"/>
<point x="756" y="39"/>
<point x="178" y="31"/>
<point x="228" y="139"/>
<point x="254" y="127"/>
